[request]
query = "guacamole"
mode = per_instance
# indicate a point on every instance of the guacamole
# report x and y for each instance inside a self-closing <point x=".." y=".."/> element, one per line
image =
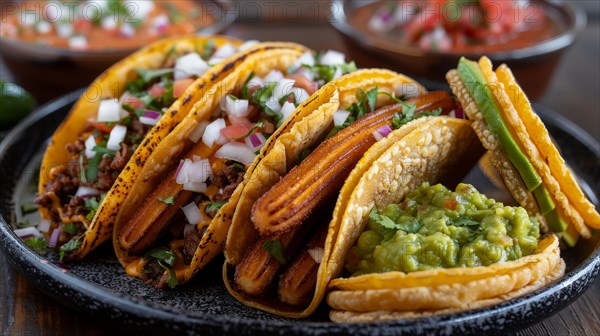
<point x="434" y="227"/>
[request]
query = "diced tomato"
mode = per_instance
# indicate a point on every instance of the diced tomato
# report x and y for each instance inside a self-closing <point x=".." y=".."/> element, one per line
<point x="234" y="131"/>
<point x="133" y="102"/>
<point x="156" y="90"/>
<point x="450" y="204"/>
<point x="304" y="83"/>
<point x="101" y="126"/>
<point x="180" y="86"/>
<point x="240" y="121"/>
<point x="82" y="26"/>
<point x="268" y="128"/>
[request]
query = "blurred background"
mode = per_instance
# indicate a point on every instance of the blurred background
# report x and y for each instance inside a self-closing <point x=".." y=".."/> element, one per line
<point x="566" y="80"/>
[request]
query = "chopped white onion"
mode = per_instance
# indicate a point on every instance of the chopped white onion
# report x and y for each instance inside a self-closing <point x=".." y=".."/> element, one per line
<point x="64" y="30"/>
<point x="225" y="51"/>
<point x="109" y="23"/>
<point x="197" y="187"/>
<point x="273" y="77"/>
<point x="78" y="42"/>
<point x="377" y="135"/>
<point x="306" y="73"/>
<point x="236" y="107"/>
<point x="190" y="65"/>
<point x="317" y="254"/>
<point x="199" y="171"/>
<point x="333" y="57"/>
<point x="28" y="232"/>
<point x="306" y="58"/>
<point x="90" y="143"/>
<point x="83" y="191"/>
<point x="221" y="140"/>
<point x="44" y="225"/>
<point x="236" y="151"/>
<point x="192" y="213"/>
<point x="160" y="23"/>
<point x="117" y="135"/>
<point x="287" y="109"/>
<point x="248" y="44"/>
<point x="255" y="82"/>
<point x="274" y="105"/>
<point x="141" y="8"/>
<point x="215" y="60"/>
<point x="301" y="95"/>
<point x="198" y="131"/>
<point x="337" y="74"/>
<point x="255" y="141"/>
<point x="43" y="27"/>
<point x="182" y="176"/>
<point x="109" y="111"/>
<point x="150" y="118"/>
<point x="213" y="131"/>
<point x="339" y="117"/>
<point x="53" y="242"/>
<point x="283" y="88"/>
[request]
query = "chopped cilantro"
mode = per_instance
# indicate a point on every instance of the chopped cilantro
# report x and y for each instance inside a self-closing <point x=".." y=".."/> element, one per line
<point x="275" y="249"/>
<point x="245" y="87"/>
<point x="70" y="228"/>
<point x="382" y="220"/>
<point x="365" y="104"/>
<point x="166" y="259"/>
<point x="260" y="99"/>
<point x="82" y="171"/>
<point x="92" y="169"/>
<point x="167" y="200"/>
<point x="24" y="224"/>
<point x="70" y="246"/>
<point x="259" y="125"/>
<point x="104" y="150"/>
<point x="213" y="207"/>
<point x="27" y="208"/>
<point x="208" y="49"/>
<point x="410" y="226"/>
<point x="38" y="244"/>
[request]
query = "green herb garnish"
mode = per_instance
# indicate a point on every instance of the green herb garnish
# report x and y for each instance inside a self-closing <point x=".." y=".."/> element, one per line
<point x="24" y="224"/>
<point x="275" y="249"/>
<point x="165" y="259"/>
<point x="245" y="87"/>
<point x="167" y="200"/>
<point x="212" y="208"/>
<point x="70" y="228"/>
<point x="70" y="246"/>
<point x="259" y="125"/>
<point x="365" y="104"/>
<point x="27" y="208"/>
<point x="38" y="244"/>
<point x="382" y="220"/>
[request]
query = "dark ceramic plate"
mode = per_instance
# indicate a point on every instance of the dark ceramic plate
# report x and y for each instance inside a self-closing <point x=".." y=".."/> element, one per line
<point x="100" y="287"/>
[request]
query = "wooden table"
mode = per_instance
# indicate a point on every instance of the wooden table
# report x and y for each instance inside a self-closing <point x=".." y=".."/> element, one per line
<point x="24" y="310"/>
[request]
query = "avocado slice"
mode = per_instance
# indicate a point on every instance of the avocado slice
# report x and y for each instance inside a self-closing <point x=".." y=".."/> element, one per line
<point x="555" y="222"/>
<point x="544" y="200"/>
<point x="570" y="236"/>
<point x="475" y="83"/>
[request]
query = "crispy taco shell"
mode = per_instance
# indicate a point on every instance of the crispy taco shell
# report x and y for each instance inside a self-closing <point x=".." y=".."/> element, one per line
<point x="316" y="118"/>
<point x="111" y="84"/>
<point x="260" y="59"/>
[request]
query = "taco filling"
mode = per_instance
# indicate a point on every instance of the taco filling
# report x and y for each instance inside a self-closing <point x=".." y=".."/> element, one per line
<point x="179" y="211"/>
<point x="434" y="227"/>
<point x="102" y="150"/>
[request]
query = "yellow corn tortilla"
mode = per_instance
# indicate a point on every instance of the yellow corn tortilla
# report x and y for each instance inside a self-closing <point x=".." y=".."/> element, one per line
<point x="266" y="57"/>
<point x="110" y="84"/>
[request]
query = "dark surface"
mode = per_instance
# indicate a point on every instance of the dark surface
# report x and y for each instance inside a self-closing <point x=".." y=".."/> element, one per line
<point x="25" y="310"/>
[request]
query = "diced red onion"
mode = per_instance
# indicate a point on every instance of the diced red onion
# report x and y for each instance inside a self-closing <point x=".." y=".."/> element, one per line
<point x="161" y="23"/>
<point x="198" y="131"/>
<point x="213" y="131"/>
<point x="84" y="191"/>
<point x="117" y="135"/>
<point x="273" y="77"/>
<point x="192" y="213"/>
<point x="44" y="225"/>
<point x="332" y="57"/>
<point x="340" y="116"/>
<point x="197" y="187"/>
<point x="457" y="113"/>
<point x="385" y="130"/>
<point x="109" y="111"/>
<point x="317" y="254"/>
<point x="27" y="232"/>
<point x="255" y="141"/>
<point x="190" y="65"/>
<point x="54" y="238"/>
<point x="236" y="151"/>
<point x="150" y="117"/>
<point x="283" y="88"/>
<point x="236" y="107"/>
<point x="287" y="109"/>
<point x="90" y="143"/>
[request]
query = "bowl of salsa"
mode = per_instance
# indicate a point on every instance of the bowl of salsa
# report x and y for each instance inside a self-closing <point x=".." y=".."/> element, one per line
<point x="427" y="37"/>
<point x="53" y="46"/>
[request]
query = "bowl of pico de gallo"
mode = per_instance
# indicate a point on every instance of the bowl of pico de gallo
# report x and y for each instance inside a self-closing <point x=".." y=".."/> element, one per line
<point x="427" y="37"/>
<point x="53" y="46"/>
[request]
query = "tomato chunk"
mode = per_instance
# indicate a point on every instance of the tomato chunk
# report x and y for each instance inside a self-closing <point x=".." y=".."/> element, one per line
<point x="180" y="86"/>
<point x="234" y="131"/>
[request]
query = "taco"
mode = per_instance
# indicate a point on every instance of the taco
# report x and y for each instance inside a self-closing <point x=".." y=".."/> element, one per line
<point x="177" y="215"/>
<point x="124" y="113"/>
<point x="283" y="269"/>
<point x="521" y="149"/>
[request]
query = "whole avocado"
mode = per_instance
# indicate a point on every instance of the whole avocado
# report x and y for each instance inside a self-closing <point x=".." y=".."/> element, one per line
<point x="15" y="103"/>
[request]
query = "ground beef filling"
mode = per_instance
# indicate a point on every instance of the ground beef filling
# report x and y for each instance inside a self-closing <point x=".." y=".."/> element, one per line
<point x="227" y="180"/>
